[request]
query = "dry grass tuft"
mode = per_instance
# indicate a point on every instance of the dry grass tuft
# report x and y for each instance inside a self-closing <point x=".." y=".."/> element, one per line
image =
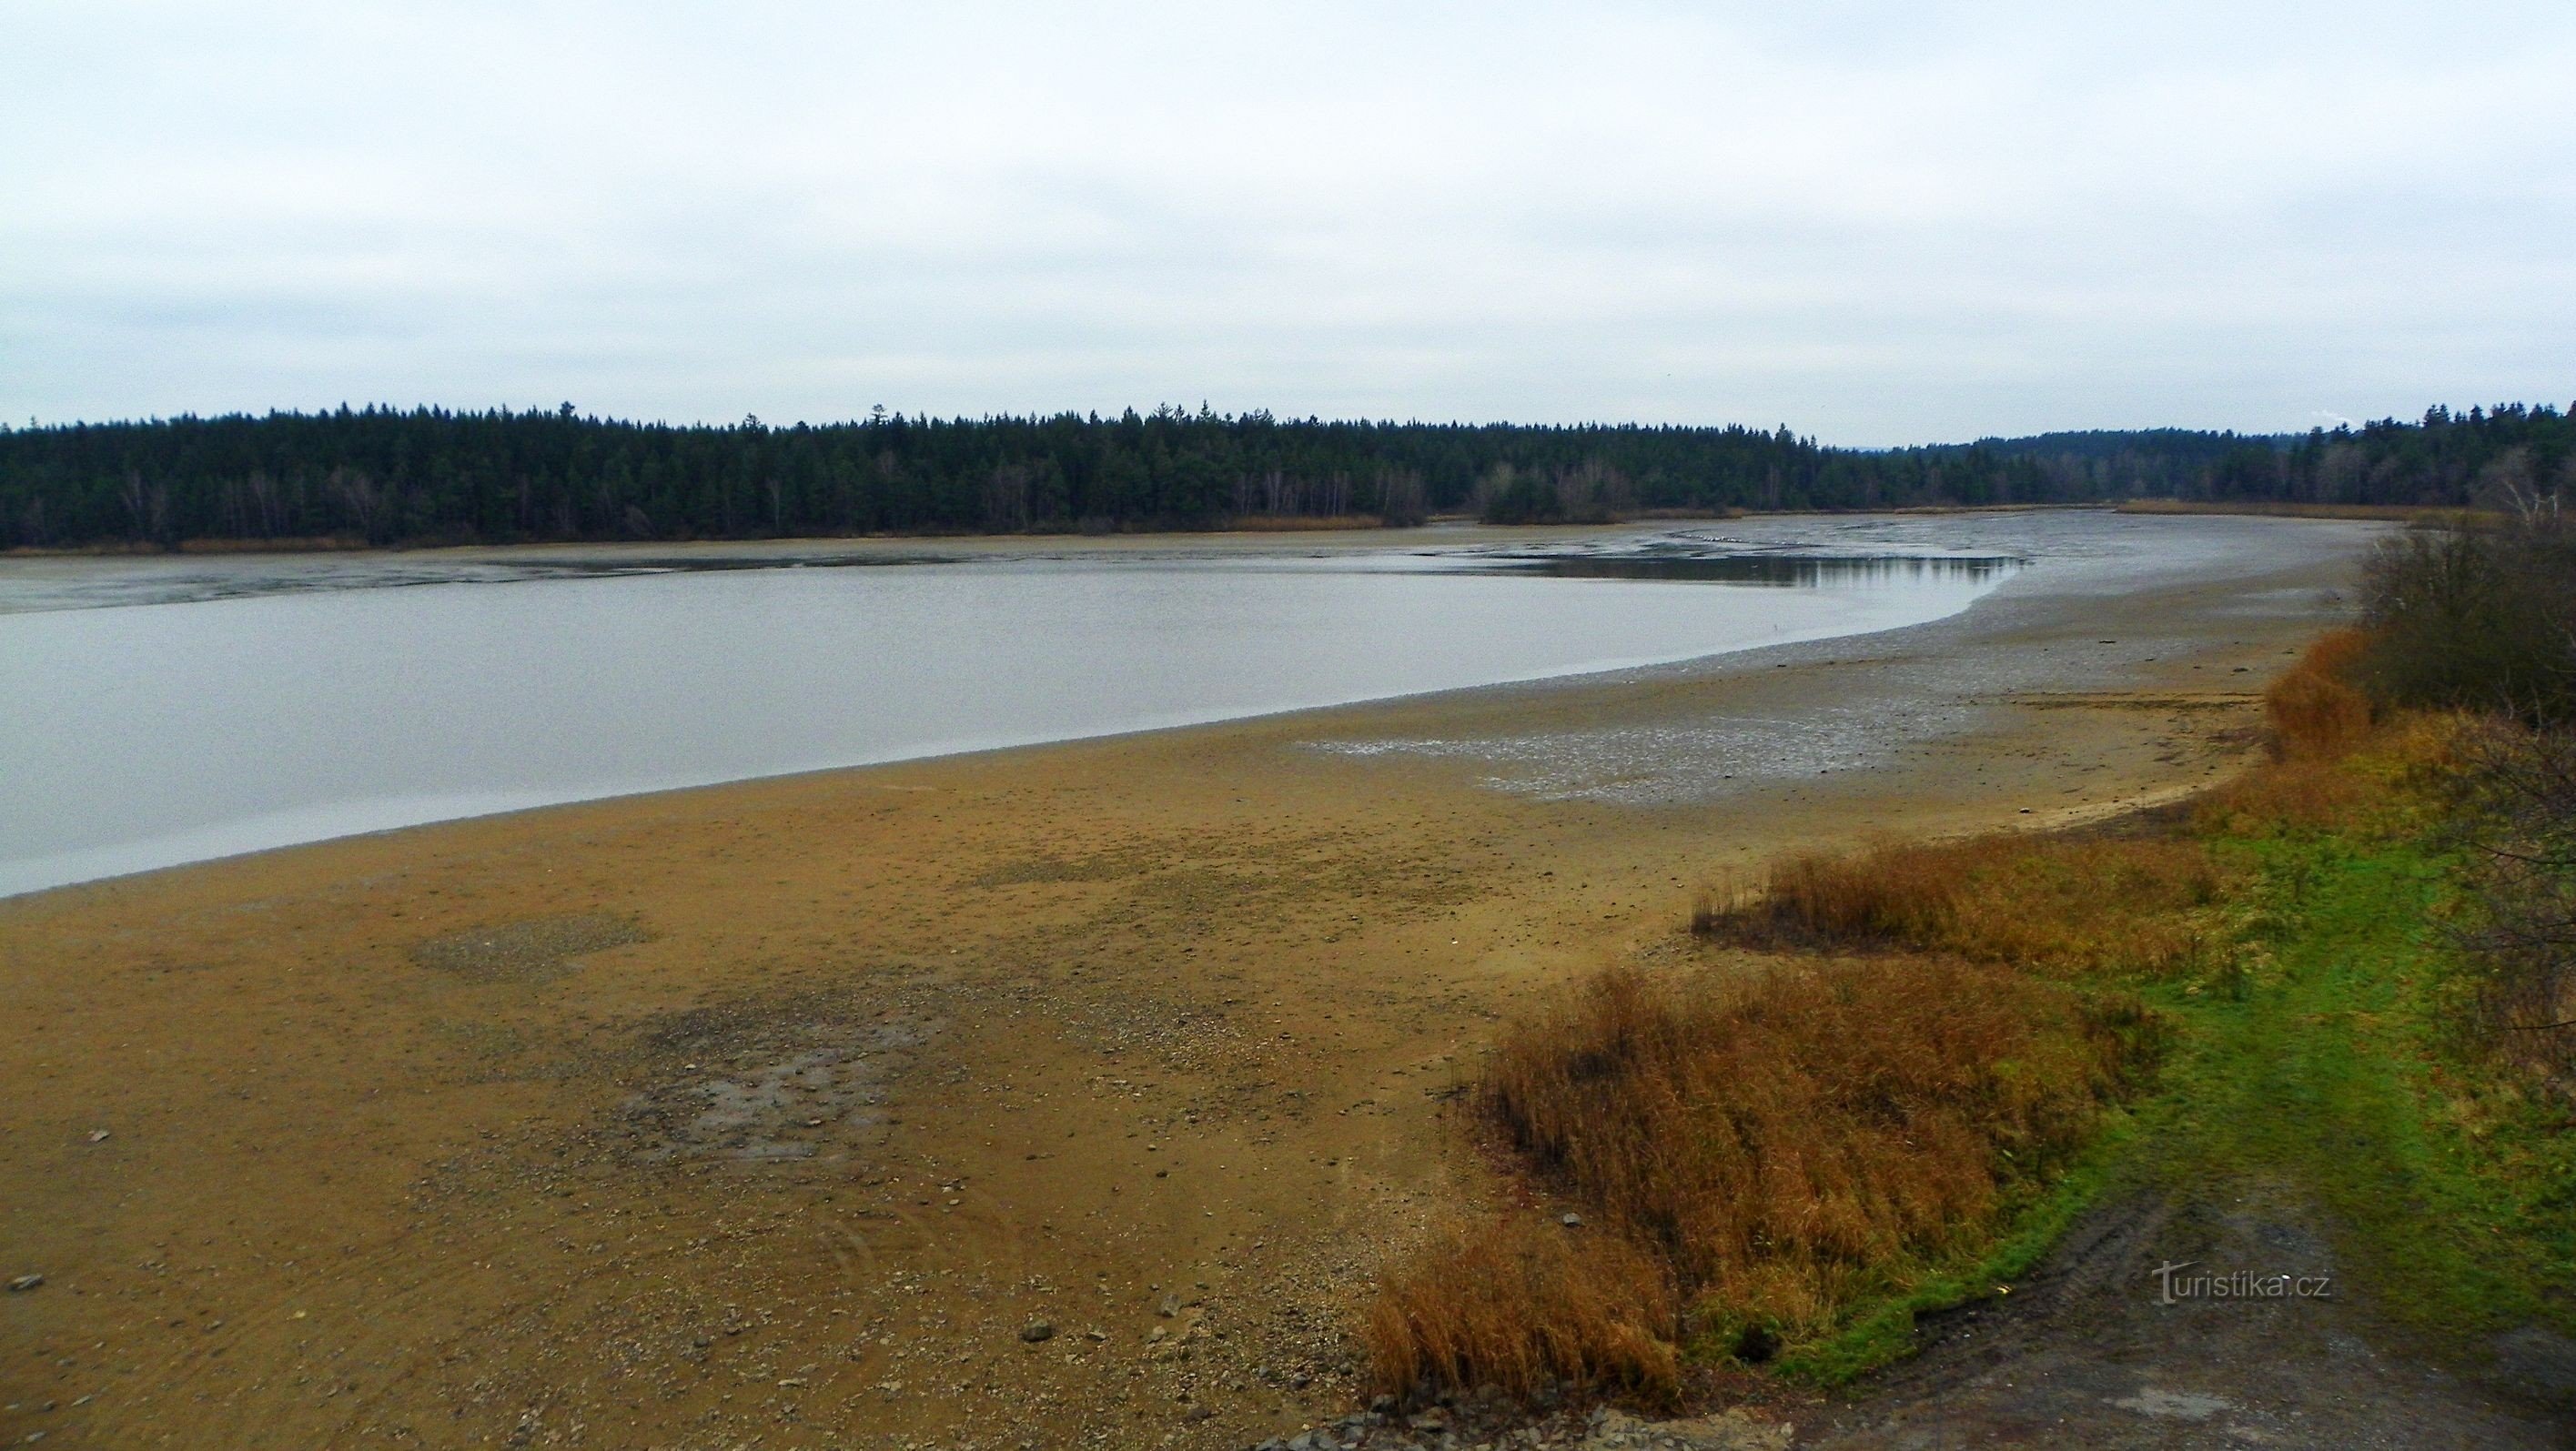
<point x="2350" y="790"/>
<point x="1520" y="1303"/>
<point x="2316" y="712"/>
<point x="2067" y="903"/>
<point x="1774" y="1144"/>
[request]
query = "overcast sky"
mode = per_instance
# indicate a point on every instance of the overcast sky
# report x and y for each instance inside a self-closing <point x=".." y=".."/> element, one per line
<point x="1871" y="222"/>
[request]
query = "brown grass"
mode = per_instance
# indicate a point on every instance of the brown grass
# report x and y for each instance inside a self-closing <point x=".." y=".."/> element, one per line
<point x="2314" y="709"/>
<point x="2309" y="795"/>
<point x="1777" y="1144"/>
<point x="1520" y="1303"/>
<point x="2333" y="758"/>
<point x="2080" y="904"/>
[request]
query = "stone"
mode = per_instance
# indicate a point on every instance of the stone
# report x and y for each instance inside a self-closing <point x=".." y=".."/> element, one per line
<point x="25" y="1282"/>
<point x="1037" y="1330"/>
<point x="1572" y="1220"/>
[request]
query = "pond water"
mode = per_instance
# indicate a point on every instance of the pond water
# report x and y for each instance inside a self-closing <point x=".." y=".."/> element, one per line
<point x="154" y="712"/>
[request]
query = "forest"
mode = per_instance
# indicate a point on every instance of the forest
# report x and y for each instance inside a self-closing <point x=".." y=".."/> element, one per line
<point x="422" y="476"/>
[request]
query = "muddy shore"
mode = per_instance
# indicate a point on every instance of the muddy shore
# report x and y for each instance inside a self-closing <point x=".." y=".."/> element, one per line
<point x="1059" y="1096"/>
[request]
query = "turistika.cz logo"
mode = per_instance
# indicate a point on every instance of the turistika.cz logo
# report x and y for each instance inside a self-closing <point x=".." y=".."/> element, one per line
<point x="2173" y="1286"/>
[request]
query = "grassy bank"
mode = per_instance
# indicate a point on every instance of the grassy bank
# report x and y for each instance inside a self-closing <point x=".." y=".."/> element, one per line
<point x="1898" y="1075"/>
<point x="2314" y="1058"/>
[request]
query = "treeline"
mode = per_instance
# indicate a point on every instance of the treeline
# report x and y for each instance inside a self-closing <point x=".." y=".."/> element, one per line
<point x="2478" y="457"/>
<point x="431" y="475"/>
<point x="385" y="476"/>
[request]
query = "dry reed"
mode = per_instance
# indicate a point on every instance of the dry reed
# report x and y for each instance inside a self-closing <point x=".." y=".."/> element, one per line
<point x="2314" y="709"/>
<point x="1776" y="1144"/>
<point x="2077" y="904"/>
<point x="1520" y="1303"/>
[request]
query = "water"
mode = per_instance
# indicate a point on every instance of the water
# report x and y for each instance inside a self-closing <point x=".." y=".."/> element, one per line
<point x="162" y="711"/>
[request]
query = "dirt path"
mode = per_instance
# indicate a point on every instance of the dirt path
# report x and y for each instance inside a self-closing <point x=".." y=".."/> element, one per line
<point x="1055" y="1097"/>
<point x="2099" y="1350"/>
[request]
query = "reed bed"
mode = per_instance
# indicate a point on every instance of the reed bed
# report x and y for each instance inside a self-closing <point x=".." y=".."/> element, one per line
<point x="1749" y="1153"/>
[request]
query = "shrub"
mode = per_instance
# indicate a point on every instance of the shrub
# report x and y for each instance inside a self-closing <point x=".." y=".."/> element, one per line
<point x="2477" y="615"/>
<point x="2515" y="796"/>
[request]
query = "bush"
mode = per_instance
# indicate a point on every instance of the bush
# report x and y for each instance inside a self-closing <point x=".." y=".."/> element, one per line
<point x="2477" y="615"/>
<point x="2516" y="798"/>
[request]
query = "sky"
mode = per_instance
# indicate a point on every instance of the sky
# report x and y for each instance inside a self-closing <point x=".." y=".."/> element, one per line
<point x="1876" y="223"/>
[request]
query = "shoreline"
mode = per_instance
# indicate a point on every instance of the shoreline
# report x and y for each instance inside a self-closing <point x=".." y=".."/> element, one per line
<point x="1254" y="532"/>
<point x="795" y="1102"/>
<point x="1268" y="533"/>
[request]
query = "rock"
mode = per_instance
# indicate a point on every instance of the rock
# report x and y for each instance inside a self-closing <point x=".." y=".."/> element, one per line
<point x="1572" y="1220"/>
<point x="25" y="1282"/>
<point x="1199" y="1413"/>
<point x="1725" y="1431"/>
<point x="1037" y="1330"/>
<point x="98" y="1136"/>
<point x="1383" y="1405"/>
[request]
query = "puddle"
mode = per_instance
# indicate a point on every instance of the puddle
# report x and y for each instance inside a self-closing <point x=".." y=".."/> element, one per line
<point x="757" y="1090"/>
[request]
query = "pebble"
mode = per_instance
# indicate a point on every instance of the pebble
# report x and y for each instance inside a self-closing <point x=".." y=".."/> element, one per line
<point x="1490" y="1423"/>
<point x="26" y="1282"/>
<point x="1037" y="1330"/>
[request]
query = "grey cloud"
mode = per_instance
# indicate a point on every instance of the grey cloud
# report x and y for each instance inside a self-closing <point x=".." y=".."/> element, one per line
<point x="1874" y="222"/>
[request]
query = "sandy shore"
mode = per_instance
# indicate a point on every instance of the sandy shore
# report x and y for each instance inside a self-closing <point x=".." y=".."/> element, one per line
<point x="786" y="1113"/>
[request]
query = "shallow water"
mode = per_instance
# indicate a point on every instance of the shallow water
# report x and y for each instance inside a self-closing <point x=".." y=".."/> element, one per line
<point x="161" y="711"/>
<point x="2099" y="572"/>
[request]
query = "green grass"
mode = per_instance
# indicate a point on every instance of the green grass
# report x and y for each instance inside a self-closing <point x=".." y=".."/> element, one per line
<point x="2450" y="1207"/>
<point x="2309" y="1058"/>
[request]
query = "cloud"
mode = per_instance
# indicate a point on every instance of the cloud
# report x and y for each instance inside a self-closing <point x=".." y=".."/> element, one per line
<point x="1877" y="223"/>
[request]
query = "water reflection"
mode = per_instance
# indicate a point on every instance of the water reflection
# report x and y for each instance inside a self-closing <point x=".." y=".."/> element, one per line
<point x="1784" y="570"/>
